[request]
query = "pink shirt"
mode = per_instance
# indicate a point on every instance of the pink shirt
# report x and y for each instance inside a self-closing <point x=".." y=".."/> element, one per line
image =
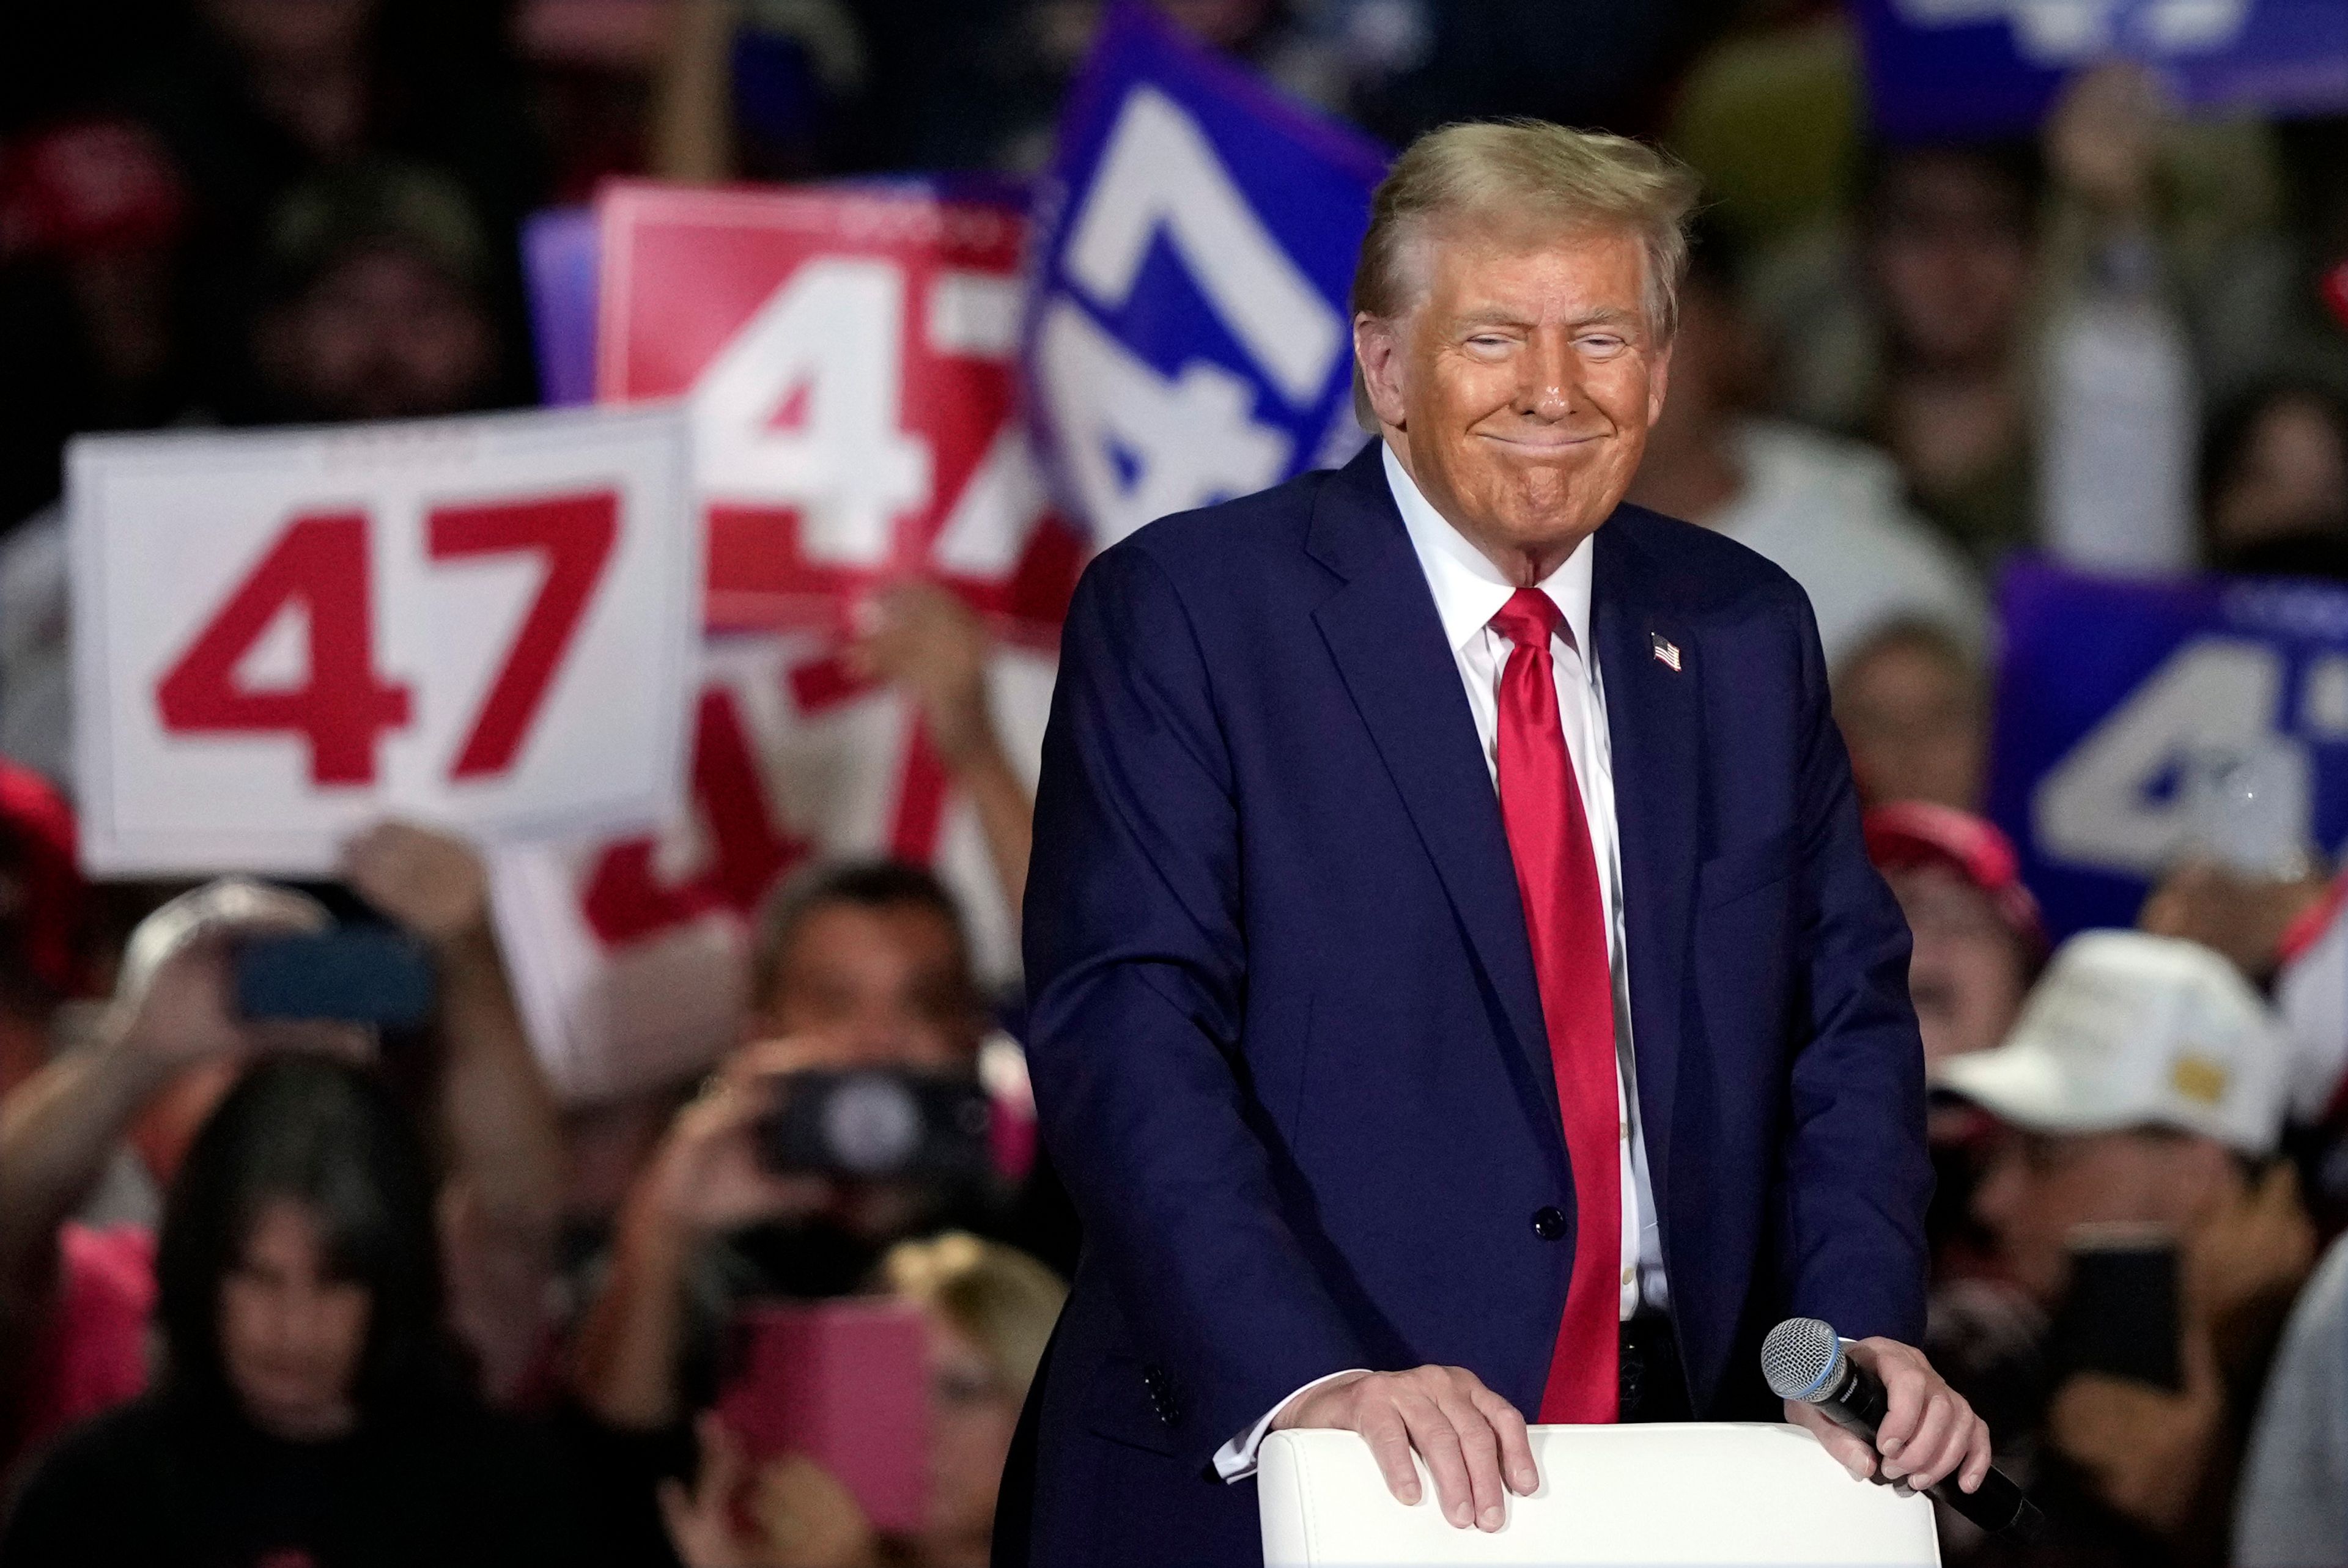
<point x="96" y="1343"/>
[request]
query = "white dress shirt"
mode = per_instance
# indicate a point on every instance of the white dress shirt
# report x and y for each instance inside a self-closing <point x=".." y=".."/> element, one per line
<point x="1468" y="591"/>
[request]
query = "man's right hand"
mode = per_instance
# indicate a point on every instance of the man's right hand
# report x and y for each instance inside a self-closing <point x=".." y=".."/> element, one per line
<point x="177" y="1008"/>
<point x="708" y="1176"/>
<point x="1473" y="1440"/>
<point x="184" y="1015"/>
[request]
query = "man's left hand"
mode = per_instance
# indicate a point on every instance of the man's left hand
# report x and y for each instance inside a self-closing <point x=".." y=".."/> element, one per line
<point x="430" y="882"/>
<point x="925" y="639"/>
<point x="1927" y="1434"/>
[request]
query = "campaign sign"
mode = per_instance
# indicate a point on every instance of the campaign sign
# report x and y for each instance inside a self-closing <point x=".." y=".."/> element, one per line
<point x="2112" y="692"/>
<point x="846" y="355"/>
<point x="1991" y="67"/>
<point x="559" y="258"/>
<point x="1188" y="333"/>
<point x="557" y="265"/>
<point x="281" y="636"/>
<point x="631" y="955"/>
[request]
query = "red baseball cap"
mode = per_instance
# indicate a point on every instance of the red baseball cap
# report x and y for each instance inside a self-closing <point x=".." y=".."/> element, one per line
<point x="87" y="188"/>
<point x="38" y="826"/>
<point x="1911" y="833"/>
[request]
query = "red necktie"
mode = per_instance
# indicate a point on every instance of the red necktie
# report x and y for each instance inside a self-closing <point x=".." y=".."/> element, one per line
<point x="1557" y="873"/>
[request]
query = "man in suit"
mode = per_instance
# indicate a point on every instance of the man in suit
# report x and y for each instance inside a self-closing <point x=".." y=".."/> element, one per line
<point x="1460" y="992"/>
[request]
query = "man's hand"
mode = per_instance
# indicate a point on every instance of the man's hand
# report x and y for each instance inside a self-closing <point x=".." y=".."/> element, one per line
<point x="2244" y="917"/>
<point x="1927" y="1434"/>
<point x="2247" y="1254"/>
<point x="706" y="1175"/>
<point x="704" y="1179"/>
<point x="184" y="1014"/>
<point x="922" y="638"/>
<point x="1473" y="1440"/>
<point x="2102" y="139"/>
<point x="801" y="1517"/>
<point x="432" y="883"/>
<point x="2144" y="1450"/>
<point x="933" y="647"/>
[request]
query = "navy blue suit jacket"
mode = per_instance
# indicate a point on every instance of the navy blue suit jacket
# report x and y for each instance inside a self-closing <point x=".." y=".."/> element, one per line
<point x="1287" y="1047"/>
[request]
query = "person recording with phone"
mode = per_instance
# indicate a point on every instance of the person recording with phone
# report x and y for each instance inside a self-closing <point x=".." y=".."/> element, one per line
<point x="861" y="966"/>
<point x="2136" y="1198"/>
<point x="853" y="1120"/>
<point x="213" y="979"/>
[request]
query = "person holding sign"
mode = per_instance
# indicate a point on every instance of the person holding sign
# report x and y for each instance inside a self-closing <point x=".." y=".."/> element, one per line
<point x="1460" y="995"/>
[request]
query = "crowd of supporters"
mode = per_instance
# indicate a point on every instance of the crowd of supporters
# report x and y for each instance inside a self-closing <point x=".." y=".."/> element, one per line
<point x="289" y="1292"/>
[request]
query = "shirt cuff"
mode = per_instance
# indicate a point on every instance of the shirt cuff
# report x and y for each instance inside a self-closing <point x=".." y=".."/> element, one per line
<point x="1235" y="1461"/>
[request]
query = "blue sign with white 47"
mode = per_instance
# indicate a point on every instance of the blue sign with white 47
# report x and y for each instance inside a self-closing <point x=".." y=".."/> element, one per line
<point x="1990" y="67"/>
<point x="2117" y="701"/>
<point x="1187" y="333"/>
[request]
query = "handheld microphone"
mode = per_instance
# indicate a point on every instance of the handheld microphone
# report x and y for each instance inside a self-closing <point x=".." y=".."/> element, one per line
<point x="1803" y="1359"/>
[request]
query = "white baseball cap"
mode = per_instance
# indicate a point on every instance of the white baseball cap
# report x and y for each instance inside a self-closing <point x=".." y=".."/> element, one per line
<point x="2126" y="1030"/>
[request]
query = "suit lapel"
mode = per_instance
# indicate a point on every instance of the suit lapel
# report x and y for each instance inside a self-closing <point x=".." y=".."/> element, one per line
<point x="1388" y="643"/>
<point x="1654" y="717"/>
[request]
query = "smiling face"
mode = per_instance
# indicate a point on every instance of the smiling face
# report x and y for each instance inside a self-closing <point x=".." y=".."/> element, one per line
<point x="1518" y="389"/>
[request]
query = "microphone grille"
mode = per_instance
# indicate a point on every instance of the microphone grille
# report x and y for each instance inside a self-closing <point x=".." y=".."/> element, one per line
<point x="1799" y="1359"/>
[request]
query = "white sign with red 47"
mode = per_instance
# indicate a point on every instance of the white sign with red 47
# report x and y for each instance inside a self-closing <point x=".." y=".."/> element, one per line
<point x="490" y="624"/>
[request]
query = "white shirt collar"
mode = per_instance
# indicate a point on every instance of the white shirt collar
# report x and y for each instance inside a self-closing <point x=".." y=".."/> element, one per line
<point x="1468" y="588"/>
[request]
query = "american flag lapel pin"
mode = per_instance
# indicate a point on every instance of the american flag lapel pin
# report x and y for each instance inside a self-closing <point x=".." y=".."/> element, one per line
<point x="1667" y="652"/>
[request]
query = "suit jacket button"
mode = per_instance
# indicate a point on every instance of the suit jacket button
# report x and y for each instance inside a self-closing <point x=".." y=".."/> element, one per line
<point x="1549" y="1222"/>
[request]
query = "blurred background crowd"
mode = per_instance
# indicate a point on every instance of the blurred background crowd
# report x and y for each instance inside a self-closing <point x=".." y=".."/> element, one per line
<point x="288" y="1291"/>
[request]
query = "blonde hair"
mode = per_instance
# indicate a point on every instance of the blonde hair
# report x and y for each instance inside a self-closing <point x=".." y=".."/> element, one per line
<point x="1529" y="175"/>
<point x="1002" y="1300"/>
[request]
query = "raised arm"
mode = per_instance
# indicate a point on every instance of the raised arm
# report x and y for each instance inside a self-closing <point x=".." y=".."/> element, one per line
<point x="60" y="1127"/>
<point x="57" y="1131"/>
<point x="704" y="1179"/>
<point x="935" y="648"/>
<point x="495" y="1112"/>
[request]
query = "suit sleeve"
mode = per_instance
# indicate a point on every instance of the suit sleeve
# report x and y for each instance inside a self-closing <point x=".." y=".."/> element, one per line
<point x="1856" y="1174"/>
<point x="1136" y="968"/>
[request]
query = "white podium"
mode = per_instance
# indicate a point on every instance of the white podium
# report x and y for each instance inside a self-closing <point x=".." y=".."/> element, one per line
<point x="1710" y="1494"/>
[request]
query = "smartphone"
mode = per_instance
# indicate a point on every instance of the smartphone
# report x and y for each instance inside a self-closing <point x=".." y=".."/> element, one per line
<point x="845" y="1383"/>
<point x="874" y="1123"/>
<point x="2120" y="1314"/>
<point x="351" y="974"/>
